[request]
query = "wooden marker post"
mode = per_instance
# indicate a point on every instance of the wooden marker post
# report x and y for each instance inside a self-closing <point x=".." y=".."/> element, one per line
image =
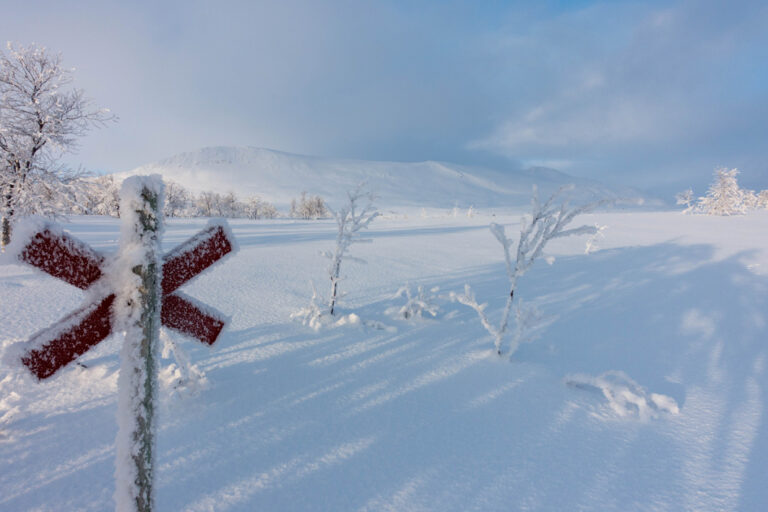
<point x="138" y="305"/>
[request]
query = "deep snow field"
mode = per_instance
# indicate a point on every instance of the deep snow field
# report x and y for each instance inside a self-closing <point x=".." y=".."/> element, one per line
<point x="422" y="415"/>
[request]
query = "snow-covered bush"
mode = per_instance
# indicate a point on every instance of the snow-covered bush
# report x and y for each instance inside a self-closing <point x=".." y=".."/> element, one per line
<point x="312" y="315"/>
<point x="546" y="222"/>
<point x="416" y="304"/>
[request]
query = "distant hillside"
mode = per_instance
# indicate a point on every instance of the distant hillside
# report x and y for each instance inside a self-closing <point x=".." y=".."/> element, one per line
<point x="279" y="177"/>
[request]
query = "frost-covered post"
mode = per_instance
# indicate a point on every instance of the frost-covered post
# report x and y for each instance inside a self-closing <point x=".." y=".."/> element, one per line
<point x="138" y="270"/>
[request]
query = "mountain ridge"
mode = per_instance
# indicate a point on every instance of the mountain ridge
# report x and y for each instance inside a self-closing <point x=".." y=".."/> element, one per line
<point x="279" y="176"/>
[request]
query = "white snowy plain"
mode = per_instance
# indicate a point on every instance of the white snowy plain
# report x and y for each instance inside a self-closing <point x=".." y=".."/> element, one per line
<point x="647" y="392"/>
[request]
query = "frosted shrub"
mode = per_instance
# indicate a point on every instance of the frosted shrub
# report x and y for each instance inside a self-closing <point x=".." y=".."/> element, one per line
<point x="685" y="198"/>
<point x="416" y="304"/>
<point x="350" y="219"/>
<point x="312" y="315"/>
<point x="546" y="222"/>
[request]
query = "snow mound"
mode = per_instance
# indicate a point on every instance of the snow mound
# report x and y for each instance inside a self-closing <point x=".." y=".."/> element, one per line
<point x="625" y="397"/>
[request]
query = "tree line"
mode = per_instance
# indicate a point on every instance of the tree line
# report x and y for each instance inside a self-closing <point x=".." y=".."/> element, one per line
<point x="99" y="196"/>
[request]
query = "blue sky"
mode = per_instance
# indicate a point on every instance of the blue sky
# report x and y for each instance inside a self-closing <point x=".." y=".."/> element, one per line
<point x="650" y="94"/>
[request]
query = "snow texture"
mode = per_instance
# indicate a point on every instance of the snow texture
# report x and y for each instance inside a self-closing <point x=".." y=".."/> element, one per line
<point x="625" y="397"/>
<point x="426" y="418"/>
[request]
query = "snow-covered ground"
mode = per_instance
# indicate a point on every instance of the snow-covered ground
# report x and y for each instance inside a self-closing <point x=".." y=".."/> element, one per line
<point x="647" y="392"/>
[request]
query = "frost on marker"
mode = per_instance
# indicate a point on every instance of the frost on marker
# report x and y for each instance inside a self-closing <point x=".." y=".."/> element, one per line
<point x="137" y="279"/>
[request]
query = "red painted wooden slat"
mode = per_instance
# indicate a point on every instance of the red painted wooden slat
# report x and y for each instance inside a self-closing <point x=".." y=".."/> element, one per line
<point x="88" y="326"/>
<point x="193" y="256"/>
<point x="64" y="257"/>
<point x="183" y="316"/>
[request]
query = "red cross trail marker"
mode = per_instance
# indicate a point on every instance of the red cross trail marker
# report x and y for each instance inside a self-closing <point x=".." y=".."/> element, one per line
<point x="67" y="258"/>
<point x="134" y="292"/>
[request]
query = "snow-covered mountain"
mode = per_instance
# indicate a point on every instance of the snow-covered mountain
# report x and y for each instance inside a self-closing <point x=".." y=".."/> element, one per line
<point x="280" y="177"/>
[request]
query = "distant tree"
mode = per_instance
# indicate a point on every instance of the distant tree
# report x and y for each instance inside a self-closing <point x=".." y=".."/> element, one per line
<point x="256" y="208"/>
<point x="724" y="196"/>
<point x="308" y="207"/>
<point x="40" y="119"/>
<point x="230" y="207"/>
<point x="107" y="196"/>
<point x="207" y="204"/>
<point x="762" y="199"/>
<point x="177" y="199"/>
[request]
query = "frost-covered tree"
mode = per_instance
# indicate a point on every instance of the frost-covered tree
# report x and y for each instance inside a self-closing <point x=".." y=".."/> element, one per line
<point x="724" y="196"/>
<point x="229" y="206"/>
<point x="257" y="208"/>
<point x="762" y="200"/>
<point x="350" y="220"/>
<point x="177" y="199"/>
<point x="107" y="196"/>
<point x="207" y="204"/>
<point x="546" y="222"/>
<point x="41" y="118"/>
<point x="685" y="198"/>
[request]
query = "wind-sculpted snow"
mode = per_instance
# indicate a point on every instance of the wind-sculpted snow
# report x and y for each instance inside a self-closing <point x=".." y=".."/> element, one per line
<point x="625" y="397"/>
<point x="427" y="417"/>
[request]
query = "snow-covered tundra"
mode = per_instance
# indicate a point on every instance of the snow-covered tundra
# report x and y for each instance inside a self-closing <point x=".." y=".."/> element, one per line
<point x="647" y="389"/>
